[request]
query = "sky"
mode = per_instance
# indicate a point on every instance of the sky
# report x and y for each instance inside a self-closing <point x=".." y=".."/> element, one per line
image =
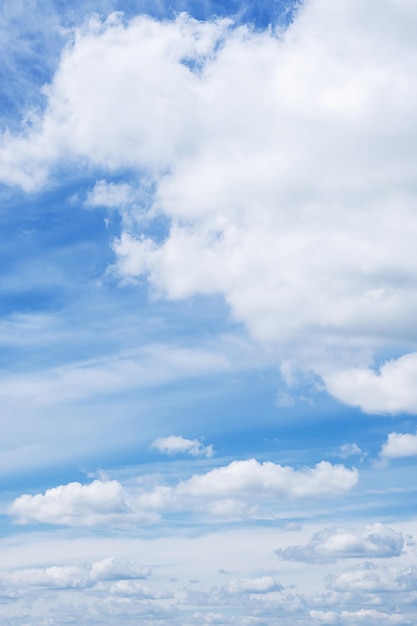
<point x="208" y="364"/>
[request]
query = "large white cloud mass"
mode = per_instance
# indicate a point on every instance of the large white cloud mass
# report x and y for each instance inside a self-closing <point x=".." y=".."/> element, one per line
<point x="283" y="162"/>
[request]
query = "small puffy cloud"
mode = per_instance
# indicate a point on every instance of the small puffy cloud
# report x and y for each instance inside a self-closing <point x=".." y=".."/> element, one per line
<point x="264" y="584"/>
<point x="349" y="449"/>
<point x="399" y="445"/>
<point x="73" y="504"/>
<point x="176" y="444"/>
<point x="375" y="540"/>
<point x="391" y="389"/>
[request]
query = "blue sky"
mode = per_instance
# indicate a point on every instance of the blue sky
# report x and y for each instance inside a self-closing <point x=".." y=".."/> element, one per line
<point x="208" y="351"/>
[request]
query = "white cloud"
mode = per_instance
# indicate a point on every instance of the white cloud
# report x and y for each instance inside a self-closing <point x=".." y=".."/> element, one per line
<point x="128" y="588"/>
<point x="249" y="489"/>
<point x="349" y="449"/>
<point x="324" y="617"/>
<point x="399" y="445"/>
<point x="73" y="503"/>
<point x="281" y="161"/>
<point x="369" y="578"/>
<point x="175" y="444"/>
<point x="264" y="584"/>
<point x="253" y="478"/>
<point x="232" y="491"/>
<point x="372" y="616"/>
<point x="371" y="541"/>
<point x="114" y="568"/>
<point x="364" y="579"/>
<point x="391" y="389"/>
<point x="75" y="576"/>
<point x="366" y="616"/>
<point x="111" y="195"/>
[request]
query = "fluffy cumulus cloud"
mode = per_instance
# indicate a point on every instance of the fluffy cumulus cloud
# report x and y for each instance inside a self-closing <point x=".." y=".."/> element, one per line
<point x="252" y="477"/>
<point x="371" y="541"/>
<point x="399" y="445"/>
<point x="243" y="488"/>
<point x="73" y="503"/>
<point x="228" y="491"/>
<point x="175" y="444"/>
<point x="393" y="388"/>
<point x="283" y="163"/>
